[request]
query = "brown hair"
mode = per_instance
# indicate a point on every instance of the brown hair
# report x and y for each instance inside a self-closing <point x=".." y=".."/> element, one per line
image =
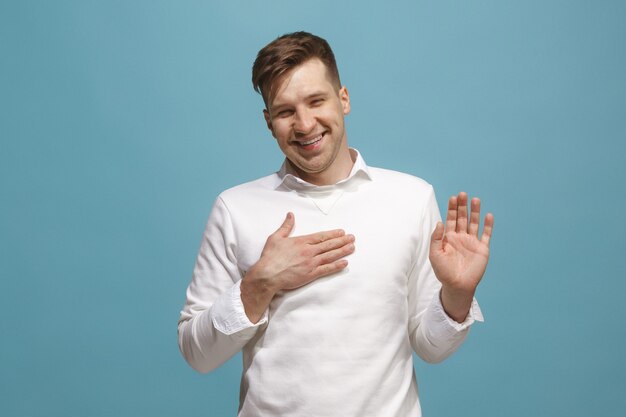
<point x="287" y="52"/>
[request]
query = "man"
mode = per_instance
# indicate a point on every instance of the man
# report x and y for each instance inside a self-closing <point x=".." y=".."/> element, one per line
<point x="328" y="306"/>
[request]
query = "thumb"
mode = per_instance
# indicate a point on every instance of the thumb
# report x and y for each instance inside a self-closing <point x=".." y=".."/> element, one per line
<point x="285" y="229"/>
<point x="436" y="239"/>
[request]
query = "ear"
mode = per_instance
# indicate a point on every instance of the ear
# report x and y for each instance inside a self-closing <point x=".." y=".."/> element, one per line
<point x="344" y="97"/>
<point x="268" y="120"/>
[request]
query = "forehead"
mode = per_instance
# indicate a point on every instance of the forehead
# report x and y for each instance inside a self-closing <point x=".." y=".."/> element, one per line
<point x="308" y="78"/>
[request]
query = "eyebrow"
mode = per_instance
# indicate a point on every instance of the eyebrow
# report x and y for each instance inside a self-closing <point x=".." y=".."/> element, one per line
<point x="313" y="95"/>
<point x="316" y="95"/>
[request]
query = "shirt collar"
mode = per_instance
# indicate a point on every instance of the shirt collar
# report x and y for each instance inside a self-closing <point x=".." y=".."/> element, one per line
<point x="358" y="174"/>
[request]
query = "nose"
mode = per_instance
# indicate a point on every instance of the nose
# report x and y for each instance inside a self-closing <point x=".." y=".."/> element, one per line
<point x="304" y="121"/>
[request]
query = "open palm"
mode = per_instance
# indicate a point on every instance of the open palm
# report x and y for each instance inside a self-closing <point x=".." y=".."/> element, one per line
<point x="458" y="256"/>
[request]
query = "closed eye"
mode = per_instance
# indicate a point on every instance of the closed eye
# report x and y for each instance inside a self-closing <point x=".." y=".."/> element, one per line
<point x="284" y="113"/>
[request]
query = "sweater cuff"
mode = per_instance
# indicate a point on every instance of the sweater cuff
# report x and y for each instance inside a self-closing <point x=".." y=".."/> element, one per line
<point x="447" y="325"/>
<point x="228" y="314"/>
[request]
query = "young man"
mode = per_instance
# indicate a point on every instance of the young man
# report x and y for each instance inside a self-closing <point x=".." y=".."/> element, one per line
<point x="328" y="307"/>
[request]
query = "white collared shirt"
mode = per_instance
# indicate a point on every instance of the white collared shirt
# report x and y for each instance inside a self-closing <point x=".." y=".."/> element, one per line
<point x="341" y="345"/>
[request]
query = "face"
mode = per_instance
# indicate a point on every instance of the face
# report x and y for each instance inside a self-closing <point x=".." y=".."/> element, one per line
<point x="306" y="116"/>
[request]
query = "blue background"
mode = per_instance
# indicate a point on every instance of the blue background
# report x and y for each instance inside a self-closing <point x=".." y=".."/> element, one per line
<point x="120" y="122"/>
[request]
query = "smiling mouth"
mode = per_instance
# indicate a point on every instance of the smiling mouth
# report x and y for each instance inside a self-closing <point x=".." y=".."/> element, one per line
<point x="312" y="141"/>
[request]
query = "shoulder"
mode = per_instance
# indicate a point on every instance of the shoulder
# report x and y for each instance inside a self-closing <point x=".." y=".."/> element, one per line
<point x="399" y="181"/>
<point x="410" y="200"/>
<point x="251" y="189"/>
<point x="406" y="193"/>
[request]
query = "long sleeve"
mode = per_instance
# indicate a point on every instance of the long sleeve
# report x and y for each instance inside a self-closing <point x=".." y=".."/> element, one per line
<point x="434" y="336"/>
<point x="213" y="325"/>
<point x="349" y="335"/>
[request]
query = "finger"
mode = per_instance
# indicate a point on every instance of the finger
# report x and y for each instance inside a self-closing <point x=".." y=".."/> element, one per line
<point x="474" y="217"/>
<point x="331" y="268"/>
<point x="285" y="229"/>
<point x="451" y="215"/>
<point x="335" y="254"/>
<point x="334" y="243"/>
<point x="461" y="220"/>
<point x="320" y="237"/>
<point x="487" y="229"/>
<point x="436" y="239"/>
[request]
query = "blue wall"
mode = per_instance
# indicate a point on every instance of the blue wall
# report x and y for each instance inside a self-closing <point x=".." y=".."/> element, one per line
<point x="121" y="121"/>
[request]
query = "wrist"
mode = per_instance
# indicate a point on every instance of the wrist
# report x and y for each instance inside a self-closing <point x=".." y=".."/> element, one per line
<point x="256" y="294"/>
<point x="456" y="303"/>
<point x="260" y="281"/>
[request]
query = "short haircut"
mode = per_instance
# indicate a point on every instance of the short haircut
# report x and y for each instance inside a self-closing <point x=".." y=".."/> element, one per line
<point x="285" y="53"/>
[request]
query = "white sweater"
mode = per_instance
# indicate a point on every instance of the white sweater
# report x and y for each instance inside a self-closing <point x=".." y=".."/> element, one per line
<point x="340" y="346"/>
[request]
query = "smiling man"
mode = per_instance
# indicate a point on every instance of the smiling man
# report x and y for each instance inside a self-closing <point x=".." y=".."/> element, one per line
<point x="328" y="273"/>
<point x="306" y="116"/>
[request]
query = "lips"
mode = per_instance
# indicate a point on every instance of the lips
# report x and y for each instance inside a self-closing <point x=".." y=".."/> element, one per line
<point x="311" y="143"/>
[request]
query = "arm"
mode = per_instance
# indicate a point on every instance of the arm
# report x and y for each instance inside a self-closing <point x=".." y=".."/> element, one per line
<point x="459" y="257"/>
<point x="212" y="325"/>
<point x="434" y="335"/>
<point x="223" y="312"/>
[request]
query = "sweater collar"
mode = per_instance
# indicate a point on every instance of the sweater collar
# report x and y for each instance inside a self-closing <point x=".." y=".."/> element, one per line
<point x="358" y="174"/>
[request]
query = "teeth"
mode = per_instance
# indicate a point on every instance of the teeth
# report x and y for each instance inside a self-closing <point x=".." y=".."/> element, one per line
<point x="312" y="141"/>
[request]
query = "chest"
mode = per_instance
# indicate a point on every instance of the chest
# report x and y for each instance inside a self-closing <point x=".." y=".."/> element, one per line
<point x="385" y="229"/>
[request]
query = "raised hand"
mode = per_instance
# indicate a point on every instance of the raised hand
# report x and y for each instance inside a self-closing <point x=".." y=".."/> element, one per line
<point x="287" y="263"/>
<point x="459" y="256"/>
